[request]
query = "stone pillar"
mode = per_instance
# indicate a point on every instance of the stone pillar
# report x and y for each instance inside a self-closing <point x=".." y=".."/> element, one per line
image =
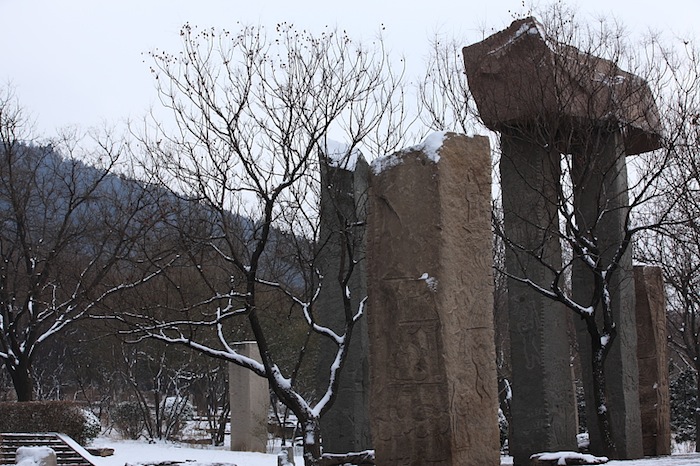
<point x="250" y="403"/>
<point x="595" y="113"/>
<point x="432" y="361"/>
<point x="652" y="357"/>
<point x="601" y="204"/>
<point x="344" y="184"/>
<point x="543" y="407"/>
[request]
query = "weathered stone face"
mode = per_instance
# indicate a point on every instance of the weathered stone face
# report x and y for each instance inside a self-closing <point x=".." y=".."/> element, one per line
<point x="432" y="360"/>
<point x="652" y="355"/>
<point x="520" y="76"/>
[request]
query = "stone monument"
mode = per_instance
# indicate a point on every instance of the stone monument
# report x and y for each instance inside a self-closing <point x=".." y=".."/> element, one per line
<point x="433" y="398"/>
<point x="344" y="184"/>
<point x="652" y="354"/>
<point x="250" y="403"/>
<point x="548" y="99"/>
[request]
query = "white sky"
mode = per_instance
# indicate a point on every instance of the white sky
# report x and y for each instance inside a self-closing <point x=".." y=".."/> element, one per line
<point x="79" y="62"/>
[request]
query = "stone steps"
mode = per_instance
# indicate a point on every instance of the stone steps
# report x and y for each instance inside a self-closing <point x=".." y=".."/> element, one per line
<point x="67" y="453"/>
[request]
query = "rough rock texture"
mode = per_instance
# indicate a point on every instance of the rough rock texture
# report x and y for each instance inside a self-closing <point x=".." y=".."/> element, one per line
<point x="652" y="356"/>
<point x="345" y="426"/>
<point x="601" y="205"/>
<point x="543" y="407"/>
<point x="520" y="75"/>
<point x="432" y="360"/>
<point x="250" y="402"/>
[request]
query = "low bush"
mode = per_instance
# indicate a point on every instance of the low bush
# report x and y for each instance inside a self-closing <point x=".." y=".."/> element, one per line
<point x="49" y="416"/>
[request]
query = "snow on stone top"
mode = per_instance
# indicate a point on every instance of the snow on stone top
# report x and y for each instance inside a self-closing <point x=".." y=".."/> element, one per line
<point x="341" y="155"/>
<point x="530" y="26"/>
<point x="430" y="146"/>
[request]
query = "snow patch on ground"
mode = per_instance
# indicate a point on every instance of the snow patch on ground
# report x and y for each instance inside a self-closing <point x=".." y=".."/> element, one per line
<point x="570" y="457"/>
<point x="134" y="452"/>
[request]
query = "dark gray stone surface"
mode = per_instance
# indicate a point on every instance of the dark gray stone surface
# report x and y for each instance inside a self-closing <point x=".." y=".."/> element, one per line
<point x="543" y="407"/>
<point x="601" y="202"/>
<point x="346" y="425"/>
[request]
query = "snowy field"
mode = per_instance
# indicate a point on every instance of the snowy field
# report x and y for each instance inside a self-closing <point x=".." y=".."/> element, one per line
<point x="134" y="452"/>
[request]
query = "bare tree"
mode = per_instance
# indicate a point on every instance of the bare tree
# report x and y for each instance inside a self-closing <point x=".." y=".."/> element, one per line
<point x="252" y="112"/>
<point x="69" y="235"/>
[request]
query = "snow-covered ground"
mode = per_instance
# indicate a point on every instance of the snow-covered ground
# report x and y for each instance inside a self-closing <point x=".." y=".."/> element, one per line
<point x="134" y="452"/>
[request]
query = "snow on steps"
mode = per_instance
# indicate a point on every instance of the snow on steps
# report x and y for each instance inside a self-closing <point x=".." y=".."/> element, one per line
<point x="68" y="451"/>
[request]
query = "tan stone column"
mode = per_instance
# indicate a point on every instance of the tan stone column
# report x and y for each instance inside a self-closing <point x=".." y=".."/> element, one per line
<point x="250" y="402"/>
<point x="432" y="358"/>
<point x="652" y="357"/>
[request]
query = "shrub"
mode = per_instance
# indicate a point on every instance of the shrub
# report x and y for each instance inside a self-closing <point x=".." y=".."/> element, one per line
<point x="49" y="416"/>
<point x="175" y="412"/>
<point x="92" y="423"/>
<point x="128" y="418"/>
<point x="684" y="396"/>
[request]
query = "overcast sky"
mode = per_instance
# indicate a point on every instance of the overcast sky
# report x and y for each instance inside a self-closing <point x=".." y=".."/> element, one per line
<point x="79" y="62"/>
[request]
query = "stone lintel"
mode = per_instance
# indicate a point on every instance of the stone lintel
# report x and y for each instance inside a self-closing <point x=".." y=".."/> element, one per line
<point x="522" y="76"/>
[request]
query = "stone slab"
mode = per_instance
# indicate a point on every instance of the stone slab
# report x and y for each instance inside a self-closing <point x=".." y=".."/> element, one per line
<point x="521" y="75"/>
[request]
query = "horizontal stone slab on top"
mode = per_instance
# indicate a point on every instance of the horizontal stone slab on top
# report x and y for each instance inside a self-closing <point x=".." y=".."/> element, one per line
<point x="521" y="76"/>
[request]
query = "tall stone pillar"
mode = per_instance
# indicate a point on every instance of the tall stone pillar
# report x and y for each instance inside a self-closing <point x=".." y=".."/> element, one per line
<point x="543" y="407"/>
<point x="432" y="361"/>
<point x="344" y="184"/>
<point x="250" y="402"/>
<point x="601" y="204"/>
<point x="652" y="357"/>
<point x="594" y="113"/>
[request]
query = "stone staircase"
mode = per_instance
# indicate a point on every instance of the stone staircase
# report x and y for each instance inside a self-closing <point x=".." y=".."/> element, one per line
<point x="68" y="452"/>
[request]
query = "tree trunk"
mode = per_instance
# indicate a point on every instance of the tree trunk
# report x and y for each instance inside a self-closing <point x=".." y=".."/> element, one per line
<point x="601" y="400"/>
<point x="311" y="429"/>
<point x="22" y="380"/>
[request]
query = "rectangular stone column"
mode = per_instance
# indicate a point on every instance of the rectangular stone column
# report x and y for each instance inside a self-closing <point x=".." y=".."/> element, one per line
<point x="543" y="407"/>
<point x="652" y="357"/>
<point x="433" y="398"/>
<point x="601" y="205"/>
<point x="250" y="402"/>
<point x="344" y="185"/>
